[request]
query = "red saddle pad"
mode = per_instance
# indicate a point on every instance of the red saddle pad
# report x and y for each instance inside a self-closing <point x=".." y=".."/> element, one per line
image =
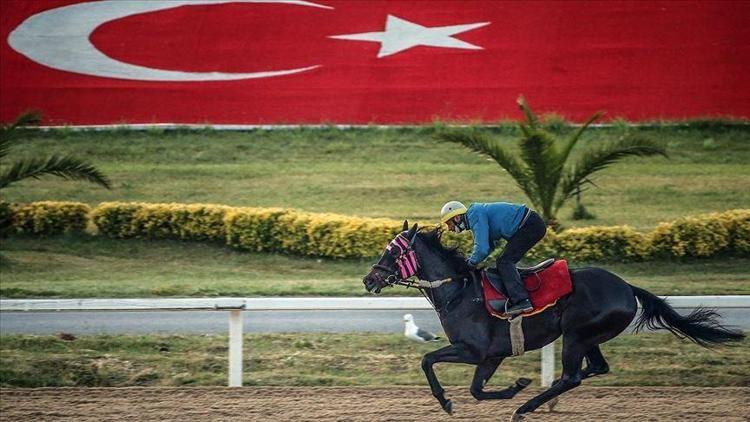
<point x="544" y="287"/>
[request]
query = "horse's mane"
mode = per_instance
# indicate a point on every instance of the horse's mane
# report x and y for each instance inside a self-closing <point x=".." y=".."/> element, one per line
<point x="431" y="237"/>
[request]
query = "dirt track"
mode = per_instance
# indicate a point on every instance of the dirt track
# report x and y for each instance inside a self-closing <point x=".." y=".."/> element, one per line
<point x="363" y="404"/>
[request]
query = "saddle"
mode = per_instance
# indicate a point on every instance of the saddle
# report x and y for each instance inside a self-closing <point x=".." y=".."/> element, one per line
<point x="546" y="282"/>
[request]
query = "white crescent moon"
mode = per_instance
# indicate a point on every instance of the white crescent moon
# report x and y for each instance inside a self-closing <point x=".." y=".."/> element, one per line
<point x="59" y="38"/>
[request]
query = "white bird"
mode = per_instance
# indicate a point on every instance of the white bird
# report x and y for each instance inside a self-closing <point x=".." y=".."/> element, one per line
<point x="412" y="332"/>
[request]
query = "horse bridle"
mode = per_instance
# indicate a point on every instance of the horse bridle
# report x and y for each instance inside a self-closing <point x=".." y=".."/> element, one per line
<point x="405" y="265"/>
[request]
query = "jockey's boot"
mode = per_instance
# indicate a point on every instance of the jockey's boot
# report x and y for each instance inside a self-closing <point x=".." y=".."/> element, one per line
<point x="519" y="297"/>
<point x="521" y="307"/>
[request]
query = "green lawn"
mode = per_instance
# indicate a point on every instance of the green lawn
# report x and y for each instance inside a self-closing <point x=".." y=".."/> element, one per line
<point x="395" y="173"/>
<point x="335" y="359"/>
<point x="100" y="267"/>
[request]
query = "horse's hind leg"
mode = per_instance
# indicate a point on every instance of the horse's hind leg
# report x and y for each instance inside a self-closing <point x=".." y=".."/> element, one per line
<point x="484" y="372"/>
<point x="595" y="363"/>
<point x="572" y="359"/>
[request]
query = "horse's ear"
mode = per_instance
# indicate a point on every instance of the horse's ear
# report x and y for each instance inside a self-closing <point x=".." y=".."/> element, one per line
<point x="412" y="234"/>
<point x="406" y="225"/>
<point x="412" y="231"/>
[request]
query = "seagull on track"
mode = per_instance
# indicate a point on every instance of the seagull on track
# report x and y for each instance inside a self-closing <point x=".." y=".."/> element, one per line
<point x="415" y="333"/>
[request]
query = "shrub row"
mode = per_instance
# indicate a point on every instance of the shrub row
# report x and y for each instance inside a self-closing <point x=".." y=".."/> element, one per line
<point x="201" y="222"/>
<point x="255" y="229"/>
<point x="329" y="235"/>
<point x="44" y="218"/>
<point x="339" y="236"/>
<point x="701" y="235"/>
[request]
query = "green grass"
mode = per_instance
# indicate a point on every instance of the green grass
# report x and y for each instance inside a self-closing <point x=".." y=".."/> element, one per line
<point x="335" y="359"/>
<point x="98" y="267"/>
<point x="395" y="173"/>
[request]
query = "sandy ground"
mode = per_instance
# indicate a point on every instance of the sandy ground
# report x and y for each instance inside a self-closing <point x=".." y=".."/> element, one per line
<point x="364" y="404"/>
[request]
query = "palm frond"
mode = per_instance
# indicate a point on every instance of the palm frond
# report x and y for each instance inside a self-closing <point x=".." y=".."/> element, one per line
<point x="505" y="159"/>
<point x="600" y="158"/>
<point x="5" y="144"/>
<point x="540" y="155"/>
<point x="531" y="119"/>
<point x="60" y="166"/>
<point x="577" y="135"/>
<point x="27" y="118"/>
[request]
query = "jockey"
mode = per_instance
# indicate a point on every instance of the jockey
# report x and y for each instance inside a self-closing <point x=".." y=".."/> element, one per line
<point x="489" y="222"/>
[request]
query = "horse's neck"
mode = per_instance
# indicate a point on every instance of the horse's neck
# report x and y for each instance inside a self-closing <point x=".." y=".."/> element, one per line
<point x="434" y="268"/>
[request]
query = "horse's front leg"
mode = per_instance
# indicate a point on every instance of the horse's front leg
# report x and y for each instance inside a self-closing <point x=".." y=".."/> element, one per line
<point x="455" y="353"/>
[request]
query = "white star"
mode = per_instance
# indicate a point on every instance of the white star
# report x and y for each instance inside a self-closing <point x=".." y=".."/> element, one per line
<point x="400" y="35"/>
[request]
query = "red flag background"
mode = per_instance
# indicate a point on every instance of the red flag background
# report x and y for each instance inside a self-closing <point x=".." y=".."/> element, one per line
<point x="639" y="60"/>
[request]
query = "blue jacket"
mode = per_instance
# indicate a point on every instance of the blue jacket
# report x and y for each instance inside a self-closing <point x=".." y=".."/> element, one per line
<point x="491" y="222"/>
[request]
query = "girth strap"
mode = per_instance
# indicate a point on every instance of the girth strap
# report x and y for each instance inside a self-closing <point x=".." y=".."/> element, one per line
<point x="516" y="336"/>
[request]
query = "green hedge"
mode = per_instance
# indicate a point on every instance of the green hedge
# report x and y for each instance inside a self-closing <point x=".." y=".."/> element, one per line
<point x="340" y="236"/>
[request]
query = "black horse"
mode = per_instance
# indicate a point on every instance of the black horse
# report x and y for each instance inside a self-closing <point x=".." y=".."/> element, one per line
<point x="600" y="307"/>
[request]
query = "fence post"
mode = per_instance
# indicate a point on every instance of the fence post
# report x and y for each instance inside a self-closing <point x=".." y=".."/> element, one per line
<point x="548" y="364"/>
<point x="235" y="348"/>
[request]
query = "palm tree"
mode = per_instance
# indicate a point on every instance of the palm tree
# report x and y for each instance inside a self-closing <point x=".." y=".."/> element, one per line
<point x="542" y="169"/>
<point x="63" y="166"/>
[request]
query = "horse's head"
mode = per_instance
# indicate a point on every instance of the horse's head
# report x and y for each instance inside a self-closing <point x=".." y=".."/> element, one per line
<point x="398" y="261"/>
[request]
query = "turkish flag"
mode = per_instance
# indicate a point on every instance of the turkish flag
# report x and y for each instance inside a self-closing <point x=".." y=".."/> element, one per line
<point x="387" y="62"/>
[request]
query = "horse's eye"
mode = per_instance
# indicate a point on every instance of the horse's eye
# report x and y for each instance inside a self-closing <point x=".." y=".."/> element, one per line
<point x="389" y="251"/>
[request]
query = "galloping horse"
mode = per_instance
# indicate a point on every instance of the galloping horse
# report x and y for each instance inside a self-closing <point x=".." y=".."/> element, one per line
<point x="600" y="307"/>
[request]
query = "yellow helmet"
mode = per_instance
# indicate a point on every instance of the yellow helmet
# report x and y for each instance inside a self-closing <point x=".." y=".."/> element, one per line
<point x="450" y="210"/>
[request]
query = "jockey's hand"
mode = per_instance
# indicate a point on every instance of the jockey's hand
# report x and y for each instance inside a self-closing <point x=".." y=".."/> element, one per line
<point x="470" y="266"/>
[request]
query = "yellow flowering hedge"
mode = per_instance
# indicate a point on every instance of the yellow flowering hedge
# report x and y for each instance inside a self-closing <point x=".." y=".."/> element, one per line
<point x="330" y="235"/>
<point x="340" y="236"/>
<point x="49" y="218"/>
<point x="617" y="243"/>
<point x="703" y="235"/>
<point x="161" y="221"/>
<point x="738" y="225"/>
<point x="254" y="229"/>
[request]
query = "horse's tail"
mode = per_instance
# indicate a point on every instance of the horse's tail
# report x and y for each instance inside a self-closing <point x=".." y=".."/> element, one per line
<point x="701" y="326"/>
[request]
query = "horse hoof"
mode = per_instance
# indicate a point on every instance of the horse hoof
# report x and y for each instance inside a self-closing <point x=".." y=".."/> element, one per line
<point x="517" y="417"/>
<point x="448" y="407"/>
<point x="552" y="403"/>
<point x="522" y="383"/>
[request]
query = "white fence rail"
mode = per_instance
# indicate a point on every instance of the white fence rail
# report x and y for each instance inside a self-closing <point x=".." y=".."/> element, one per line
<point x="235" y="306"/>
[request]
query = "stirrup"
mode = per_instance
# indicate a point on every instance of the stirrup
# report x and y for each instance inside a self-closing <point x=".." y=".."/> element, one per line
<point x="499" y="305"/>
